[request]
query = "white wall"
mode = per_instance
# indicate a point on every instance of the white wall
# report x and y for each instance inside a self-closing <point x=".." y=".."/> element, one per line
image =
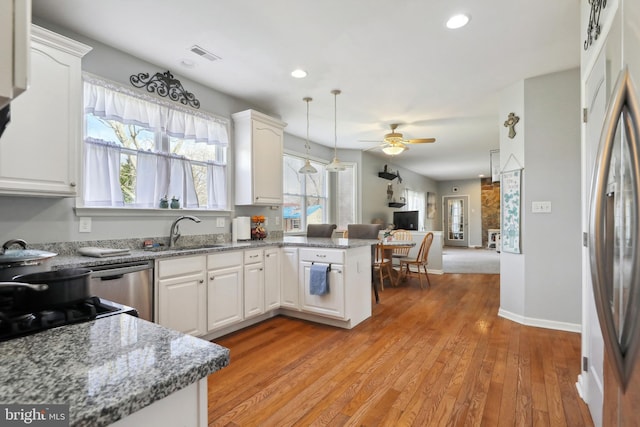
<point x="473" y="189"/>
<point x="542" y="285"/>
<point x="374" y="190"/>
<point x="512" y="279"/>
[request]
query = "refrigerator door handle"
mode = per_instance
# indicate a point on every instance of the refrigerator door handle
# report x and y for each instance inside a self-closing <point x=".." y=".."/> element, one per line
<point x="623" y="349"/>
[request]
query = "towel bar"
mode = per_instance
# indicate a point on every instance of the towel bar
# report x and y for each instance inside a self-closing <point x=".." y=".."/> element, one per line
<point x="328" y="269"/>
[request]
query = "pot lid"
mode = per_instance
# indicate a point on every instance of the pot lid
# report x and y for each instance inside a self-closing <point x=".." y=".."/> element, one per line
<point x="20" y="256"/>
<point x="11" y="257"/>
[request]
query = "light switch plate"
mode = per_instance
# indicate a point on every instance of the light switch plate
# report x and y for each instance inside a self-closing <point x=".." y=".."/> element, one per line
<point x="220" y="222"/>
<point x="85" y="224"/>
<point x="541" y="207"/>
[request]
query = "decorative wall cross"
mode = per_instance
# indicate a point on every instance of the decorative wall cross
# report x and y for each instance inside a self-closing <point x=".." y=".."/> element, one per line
<point x="511" y="124"/>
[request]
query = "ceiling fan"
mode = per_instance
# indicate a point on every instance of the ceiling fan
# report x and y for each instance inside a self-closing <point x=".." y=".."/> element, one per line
<point x="394" y="144"/>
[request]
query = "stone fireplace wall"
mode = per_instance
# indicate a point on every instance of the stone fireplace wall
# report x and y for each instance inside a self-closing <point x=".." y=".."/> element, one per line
<point x="490" y="197"/>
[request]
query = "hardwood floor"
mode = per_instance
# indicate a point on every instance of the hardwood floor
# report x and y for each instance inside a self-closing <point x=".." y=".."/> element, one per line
<point x="434" y="357"/>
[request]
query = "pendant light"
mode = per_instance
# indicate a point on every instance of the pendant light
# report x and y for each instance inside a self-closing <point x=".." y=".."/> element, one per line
<point x="335" y="165"/>
<point x="307" y="168"/>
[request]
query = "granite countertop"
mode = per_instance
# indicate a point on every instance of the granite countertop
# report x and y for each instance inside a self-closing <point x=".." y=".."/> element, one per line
<point x="63" y="261"/>
<point x="105" y="369"/>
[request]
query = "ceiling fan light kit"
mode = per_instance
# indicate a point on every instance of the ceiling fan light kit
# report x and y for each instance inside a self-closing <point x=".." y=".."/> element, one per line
<point x="307" y="168"/>
<point x="335" y="165"/>
<point x="394" y="149"/>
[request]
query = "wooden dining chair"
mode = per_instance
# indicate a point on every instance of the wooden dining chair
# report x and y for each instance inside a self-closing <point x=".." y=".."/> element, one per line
<point x="420" y="263"/>
<point x="404" y="235"/>
<point x="382" y="265"/>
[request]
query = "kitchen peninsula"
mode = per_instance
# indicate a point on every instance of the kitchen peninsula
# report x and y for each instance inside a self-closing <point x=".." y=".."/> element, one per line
<point x="211" y="289"/>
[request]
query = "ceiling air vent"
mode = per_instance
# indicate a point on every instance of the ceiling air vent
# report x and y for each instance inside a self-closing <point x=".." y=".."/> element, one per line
<point x="202" y="52"/>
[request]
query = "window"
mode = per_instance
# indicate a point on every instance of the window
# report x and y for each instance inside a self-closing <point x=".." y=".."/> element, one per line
<point x="139" y="150"/>
<point x="305" y="196"/>
<point x="416" y="202"/>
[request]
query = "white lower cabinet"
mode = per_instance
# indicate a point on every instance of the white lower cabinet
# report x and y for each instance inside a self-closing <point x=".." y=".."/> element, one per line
<point x="289" y="279"/>
<point x="182" y="303"/>
<point x="333" y="303"/>
<point x="253" y="283"/>
<point x="224" y="289"/>
<point x="272" y="278"/>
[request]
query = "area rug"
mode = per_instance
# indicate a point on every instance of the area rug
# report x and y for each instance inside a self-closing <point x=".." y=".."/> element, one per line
<point x="470" y="260"/>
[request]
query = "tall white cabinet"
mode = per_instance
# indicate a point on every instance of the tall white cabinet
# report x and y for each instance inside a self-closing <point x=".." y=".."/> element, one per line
<point x="39" y="153"/>
<point x="258" y="150"/>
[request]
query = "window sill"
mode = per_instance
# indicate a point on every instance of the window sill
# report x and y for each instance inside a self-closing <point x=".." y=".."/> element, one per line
<point x="138" y="212"/>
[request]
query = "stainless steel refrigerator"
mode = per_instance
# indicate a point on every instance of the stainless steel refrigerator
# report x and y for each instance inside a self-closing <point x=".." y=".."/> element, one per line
<point x="614" y="231"/>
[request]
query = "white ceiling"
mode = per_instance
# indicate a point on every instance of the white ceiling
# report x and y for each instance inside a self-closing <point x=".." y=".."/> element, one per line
<point x="395" y="62"/>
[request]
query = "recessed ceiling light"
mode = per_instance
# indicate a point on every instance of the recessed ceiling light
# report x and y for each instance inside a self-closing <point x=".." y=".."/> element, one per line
<point x="187" y="63"/>
<point x="457" y="21"/>
<point x="299" y="74"/>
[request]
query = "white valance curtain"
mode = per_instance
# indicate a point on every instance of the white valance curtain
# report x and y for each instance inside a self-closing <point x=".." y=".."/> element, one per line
<point x="157" y="174"/>
<point x="107" y="101"/>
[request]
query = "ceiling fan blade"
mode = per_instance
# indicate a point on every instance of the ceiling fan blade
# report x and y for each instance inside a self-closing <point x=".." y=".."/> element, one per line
<point x="420" y="140"/>
<point x="370" y="140"/>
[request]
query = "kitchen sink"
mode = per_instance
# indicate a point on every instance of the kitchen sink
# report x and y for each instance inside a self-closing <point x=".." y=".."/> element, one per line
<point x="185" y="248"/>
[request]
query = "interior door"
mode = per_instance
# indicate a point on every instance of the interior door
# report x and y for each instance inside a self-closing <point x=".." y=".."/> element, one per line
<point x="456" y="220"/>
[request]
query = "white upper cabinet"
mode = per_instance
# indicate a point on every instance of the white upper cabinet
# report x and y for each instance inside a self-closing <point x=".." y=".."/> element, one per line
<point x="39" y="151"/>
<point x="258" y="158"/>
<point x="15" y="22"/>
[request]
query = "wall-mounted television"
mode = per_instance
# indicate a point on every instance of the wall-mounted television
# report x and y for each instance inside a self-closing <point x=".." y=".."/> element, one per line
<point x="405" y="220"/>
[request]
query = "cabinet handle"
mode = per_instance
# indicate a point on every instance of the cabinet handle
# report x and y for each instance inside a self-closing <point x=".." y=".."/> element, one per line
<point x="212" y="277"/>
<point x="72" y="184"/>
<point x="254" y="256"/>
<point x="261" y="269"/>
<point x="320" y="256"/>
<point x="201" y="281"/>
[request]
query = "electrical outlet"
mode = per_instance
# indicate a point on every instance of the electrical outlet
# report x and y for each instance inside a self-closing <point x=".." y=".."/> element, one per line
<point x="85" y="224"/>
<point x="220" y="222"/>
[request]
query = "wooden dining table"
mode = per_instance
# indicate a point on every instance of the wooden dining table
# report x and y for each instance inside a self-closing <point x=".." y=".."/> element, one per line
<point x="387" y="249"/>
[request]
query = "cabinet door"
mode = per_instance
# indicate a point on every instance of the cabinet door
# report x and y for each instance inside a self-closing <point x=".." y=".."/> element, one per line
<point x="289" y="283"/>
<point x="253" y="290"/>
<point x="331" y="304"/>
<point x="181" y="303"/>
<point x="224" y="297"/>
<point x="39" y="149"/>
<point x="267" y="163"/>
<point x="271" y="279"/>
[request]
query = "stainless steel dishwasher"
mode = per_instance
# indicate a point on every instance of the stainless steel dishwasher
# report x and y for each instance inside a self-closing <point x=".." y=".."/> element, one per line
<point x="128" y="283"/>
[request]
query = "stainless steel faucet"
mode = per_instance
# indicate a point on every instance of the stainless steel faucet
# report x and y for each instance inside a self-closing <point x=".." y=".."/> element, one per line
<point x="174" y="235"/>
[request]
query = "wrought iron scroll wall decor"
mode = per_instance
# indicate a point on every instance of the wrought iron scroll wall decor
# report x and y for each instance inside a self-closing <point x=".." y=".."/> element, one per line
<point x="593" y="29"/>
<point x="165" y="85"/>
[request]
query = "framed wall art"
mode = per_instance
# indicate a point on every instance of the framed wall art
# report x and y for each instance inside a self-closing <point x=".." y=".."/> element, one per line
<point x="511" y="205"/>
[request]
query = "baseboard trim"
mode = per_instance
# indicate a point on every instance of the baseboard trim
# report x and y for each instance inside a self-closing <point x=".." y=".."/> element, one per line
<point x="430" y="271"/>
<point x="540" y="323"/>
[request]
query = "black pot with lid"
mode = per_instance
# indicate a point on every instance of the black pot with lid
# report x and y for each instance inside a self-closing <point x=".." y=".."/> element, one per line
<point x="17" y="261"/>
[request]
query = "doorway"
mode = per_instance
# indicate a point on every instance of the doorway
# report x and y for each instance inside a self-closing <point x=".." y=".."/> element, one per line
<point x="456" y="222"/>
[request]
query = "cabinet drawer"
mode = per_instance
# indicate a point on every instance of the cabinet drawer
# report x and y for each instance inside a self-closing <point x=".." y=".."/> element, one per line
<point x="251" y="256"/>
<point x="322" y="255"/>
<point x="224" y="260"/>
<point x="181" y="266"/>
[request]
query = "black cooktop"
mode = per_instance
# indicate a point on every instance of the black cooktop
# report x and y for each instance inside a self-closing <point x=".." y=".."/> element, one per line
<point x="14" y="324"/>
